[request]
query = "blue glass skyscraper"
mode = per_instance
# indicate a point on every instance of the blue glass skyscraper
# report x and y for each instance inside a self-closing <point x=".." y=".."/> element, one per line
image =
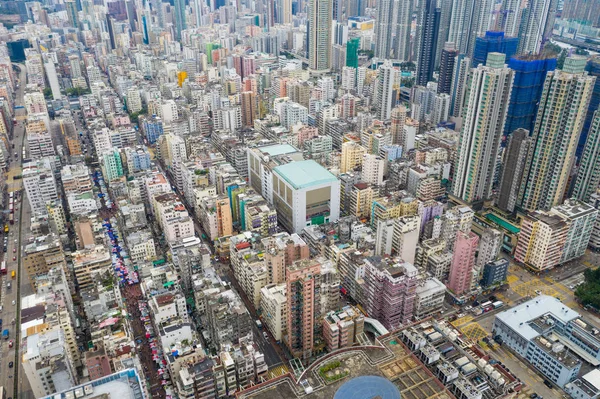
<point x="530" y="73"/>
<point x="493" y="42"/>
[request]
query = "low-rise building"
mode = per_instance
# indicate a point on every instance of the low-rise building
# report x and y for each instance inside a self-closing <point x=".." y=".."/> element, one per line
<point x="551" y="336"/>
<point x="342" y="328"/>
<point x="89" y="263"/>
<point x="429" y="300"/>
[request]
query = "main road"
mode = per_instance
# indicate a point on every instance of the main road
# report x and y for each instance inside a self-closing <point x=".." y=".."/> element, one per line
<point x="11" y="378"/>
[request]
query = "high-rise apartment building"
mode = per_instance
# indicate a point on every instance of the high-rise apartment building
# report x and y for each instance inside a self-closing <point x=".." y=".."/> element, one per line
<point x="469" y="20"/>
<point x="383" y="29"/>
<point x="319" y="35"/>
<point x="581" y="218"/>
<point x="352" y="156"/>
<point x="460" y="79"/>
<point x="398" y="116"/>
<point x="552" y="152"/>
<point x="180" y="17"/>
<point x="72" y="13"/>
<point x="541" y="240"/>
<point x="515" y="157"/>
<point x="309" y="298"/>
<point x="537" y="23"/>
<point x="530" y="74"/>
<point x="483" y="125"/>
<point x="384" y="88"/>
<point x="593" y="68"/>
<point x="447" y="60"/>
<point x="372" y="169"/>
<point x="428" y="26"/>
<point x="390" y="290"/>
<point x="463" y="263"/>
<point x="493" y="42"/>
<point x="40" y="187"/>
<point x="588" y="174"/>
<point x="490" y="244"/>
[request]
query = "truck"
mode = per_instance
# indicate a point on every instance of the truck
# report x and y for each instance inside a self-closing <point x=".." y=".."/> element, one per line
<point x="5" y="334"/>
<point x="498" y="304"/>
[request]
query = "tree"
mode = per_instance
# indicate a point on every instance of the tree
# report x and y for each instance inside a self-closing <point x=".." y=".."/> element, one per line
<point x="135" y="116"/>
<point x="561" y="59"/>
<point x="78" y="91"/>
<point x="47" y="92"/>
<point x="588" y="293"/>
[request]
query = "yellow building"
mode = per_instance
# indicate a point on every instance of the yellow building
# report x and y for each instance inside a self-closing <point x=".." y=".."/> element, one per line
<point x="352" y="156"/>
<point x="384" y="208"/>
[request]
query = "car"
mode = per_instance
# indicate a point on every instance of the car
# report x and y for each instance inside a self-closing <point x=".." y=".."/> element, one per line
<point x="533" y="396"/>
<point x="13" y="302"/>
<point x="14" y="250"/>
<point x="14" y="258"/>
<point x="10" y="365"/>
<point x="265" y="335"/>
<point x="468" y="308"/>
<point x="10" y="343"/>
<point x="548" y="384"/>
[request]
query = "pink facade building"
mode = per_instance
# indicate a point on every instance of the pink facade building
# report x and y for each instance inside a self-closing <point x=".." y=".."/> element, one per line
<point x="306" y="133"/>
<point x="390" y="290"/>
<point x="463" y="261"/>
<point x="303" y="299"/>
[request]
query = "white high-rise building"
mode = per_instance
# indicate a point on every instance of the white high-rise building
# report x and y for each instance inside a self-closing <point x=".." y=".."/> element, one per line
<point x="383" y="28"/>
<point x="52" y="79"/>
<point x="348" y="78"/>
<point x="47" y="363"/>
<point x="40" y="186"/>
<point x="372" y="169"/>
<point x="319" y="35"/>
<point x="483" y="125"/>
<point x="134" y="100"/>
<point x="384" y="90"/>
<point x="441" y="108"/>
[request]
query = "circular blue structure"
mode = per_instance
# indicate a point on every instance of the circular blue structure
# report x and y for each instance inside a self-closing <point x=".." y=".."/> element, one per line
<point x="368" y="387"/>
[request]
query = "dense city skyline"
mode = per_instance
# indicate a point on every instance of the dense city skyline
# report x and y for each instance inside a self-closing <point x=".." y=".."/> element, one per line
<point x="300" y="198"/>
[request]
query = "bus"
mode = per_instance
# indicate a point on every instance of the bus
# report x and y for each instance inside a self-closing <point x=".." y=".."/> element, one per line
<point x="3" y="268"/>
<point x="487" y="306"/>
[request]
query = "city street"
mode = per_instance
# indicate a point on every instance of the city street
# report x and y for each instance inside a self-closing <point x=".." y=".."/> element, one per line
<point x="10" y="377"/>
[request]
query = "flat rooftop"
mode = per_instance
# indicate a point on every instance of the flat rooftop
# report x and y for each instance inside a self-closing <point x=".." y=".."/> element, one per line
<point x="278" y="149"/>
<point x="122" y="385"/>
<point x="519" y="317"/>
<point x="303" y="174"/>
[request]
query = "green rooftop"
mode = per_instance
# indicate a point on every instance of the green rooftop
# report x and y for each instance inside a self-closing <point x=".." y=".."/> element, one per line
<point x="503" y="223"/>
<point x="304" y="174"/>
